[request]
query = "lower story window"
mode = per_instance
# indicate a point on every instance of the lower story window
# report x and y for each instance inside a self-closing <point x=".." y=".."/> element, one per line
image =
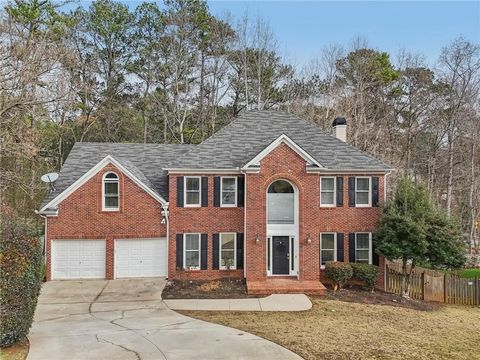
<point x="363" y="248"/>
<point x="191" y="248"/>
<point x="228" y="242"/>
<point x="328" y="249"/>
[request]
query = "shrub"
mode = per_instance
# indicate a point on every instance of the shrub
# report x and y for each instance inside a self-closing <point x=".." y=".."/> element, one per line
<point x="367" y="273"/>
<point x="339" y="273"/>
<point x="20" y="263"/>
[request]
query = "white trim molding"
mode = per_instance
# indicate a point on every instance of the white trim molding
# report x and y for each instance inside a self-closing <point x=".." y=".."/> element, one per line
<point x="235" y="189"/>
<point x="185" y="191"/>
<point x="282" y="139"/>
<point x="334" y="202"/>
<point x="234" y="266"/>
<point x="91" y="173"/>
<point x="115" y="180"/>
<point x="188" y="171"/>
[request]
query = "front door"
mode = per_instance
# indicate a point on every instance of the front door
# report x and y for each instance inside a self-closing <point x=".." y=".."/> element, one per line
<point x="281" y="255"/>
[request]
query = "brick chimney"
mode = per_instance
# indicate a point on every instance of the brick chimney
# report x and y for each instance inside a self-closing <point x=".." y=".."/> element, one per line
<point x="340" y="128"/>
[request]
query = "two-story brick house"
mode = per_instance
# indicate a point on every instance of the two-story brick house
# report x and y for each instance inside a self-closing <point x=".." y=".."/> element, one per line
<point x="269" y="198"/>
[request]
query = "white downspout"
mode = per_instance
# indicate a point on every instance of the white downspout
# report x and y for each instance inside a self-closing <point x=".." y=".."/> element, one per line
<point x="45" y="237"/>
<point x="244" y="223"/>
<point x="167" y="224"/>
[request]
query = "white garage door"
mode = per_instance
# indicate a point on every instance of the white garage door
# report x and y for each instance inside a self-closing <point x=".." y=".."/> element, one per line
<point x="78" y="259"/>
<point x="140" y="258"/>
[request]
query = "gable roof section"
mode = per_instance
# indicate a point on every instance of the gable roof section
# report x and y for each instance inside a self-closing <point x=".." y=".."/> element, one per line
<point x="127" y="168"/>
<point x="235" y="145"/>
<point x="143" y="161"/>
<point x="282" y="139"/>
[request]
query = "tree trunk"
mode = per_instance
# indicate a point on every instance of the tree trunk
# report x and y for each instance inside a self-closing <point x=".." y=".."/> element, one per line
<point x="450" y="172"/>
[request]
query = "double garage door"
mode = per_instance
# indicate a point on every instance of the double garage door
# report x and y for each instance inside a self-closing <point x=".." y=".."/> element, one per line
<point x="86" y="259"/>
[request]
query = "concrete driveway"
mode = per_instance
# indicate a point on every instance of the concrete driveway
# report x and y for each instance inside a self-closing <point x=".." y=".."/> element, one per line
<point x="126" y="319"/>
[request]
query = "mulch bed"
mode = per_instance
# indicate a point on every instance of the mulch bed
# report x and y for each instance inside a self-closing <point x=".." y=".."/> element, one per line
<point x="18" y="351"/>
<point x="357" y="295"/>
<point x="206" y="289"/>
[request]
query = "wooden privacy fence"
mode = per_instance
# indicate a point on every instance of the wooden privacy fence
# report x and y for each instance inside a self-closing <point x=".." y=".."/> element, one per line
<point x="436" y="286"/>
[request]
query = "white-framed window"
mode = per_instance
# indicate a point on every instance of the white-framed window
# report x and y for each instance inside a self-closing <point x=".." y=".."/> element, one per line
<point x="363" y="248"/>
<point x="228" y="191"/>
<point x="328" y="189"/>
<point x="363" y="191"/>
<point x="191" y="251"/>
<point x="110" y="192"/>
<point x="192" y="190"/>
<point x="228" y="251"/>
<point x="328" y="248"/>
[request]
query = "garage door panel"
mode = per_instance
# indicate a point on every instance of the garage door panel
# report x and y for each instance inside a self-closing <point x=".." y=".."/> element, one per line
<point x="140" y="258"/>
<point x="78" y="259"/>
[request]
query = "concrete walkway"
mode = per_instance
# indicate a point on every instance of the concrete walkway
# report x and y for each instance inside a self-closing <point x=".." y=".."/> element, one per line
<point x="127" y="320"/>
<point x="277" y="302"/>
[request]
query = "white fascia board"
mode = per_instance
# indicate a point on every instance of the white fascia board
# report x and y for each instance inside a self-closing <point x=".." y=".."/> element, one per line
<point x="92" y="172"/>
<point x="202" y="171"/>
<point x="282" y="139"/>
<point x="347" y="171"/>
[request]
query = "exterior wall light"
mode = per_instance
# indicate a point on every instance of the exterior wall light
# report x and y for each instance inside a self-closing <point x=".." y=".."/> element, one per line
<point x="257" y="238"/>
<point x="309" y="239"/>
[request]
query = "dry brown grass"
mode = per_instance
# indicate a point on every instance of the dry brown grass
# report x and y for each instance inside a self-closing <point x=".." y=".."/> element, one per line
<point x="342" y="330"/>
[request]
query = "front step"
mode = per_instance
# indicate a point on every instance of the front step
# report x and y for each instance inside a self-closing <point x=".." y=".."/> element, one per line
<point x="285" y="286"/>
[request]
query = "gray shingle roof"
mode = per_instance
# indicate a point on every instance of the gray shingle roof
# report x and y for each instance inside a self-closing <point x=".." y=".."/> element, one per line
<point x="144" y="161"/>
<point x="231" y="147"/>
<point x="240" y="141"/>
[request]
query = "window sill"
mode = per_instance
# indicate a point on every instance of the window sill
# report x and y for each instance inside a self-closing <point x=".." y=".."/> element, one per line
<point x="192" y="206"/>
<point x="228" y="270"/>
<point x="328" y="206"/>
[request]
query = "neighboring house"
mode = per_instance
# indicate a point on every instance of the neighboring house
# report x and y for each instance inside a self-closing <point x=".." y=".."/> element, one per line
<point x="270" y="198"/>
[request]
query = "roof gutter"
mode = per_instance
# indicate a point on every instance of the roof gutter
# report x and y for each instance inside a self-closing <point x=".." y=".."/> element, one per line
<point x="235" y="170"/>
<point x="348" y="171"/>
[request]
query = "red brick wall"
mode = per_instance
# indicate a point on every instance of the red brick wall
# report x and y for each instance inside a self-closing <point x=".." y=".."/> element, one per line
<point x="284" y="163"/>
<point x="80" y="216"/>
<point x="206" y="220"/>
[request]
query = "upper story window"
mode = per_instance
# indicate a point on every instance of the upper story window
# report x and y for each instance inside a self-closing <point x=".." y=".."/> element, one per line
<point x="228" y="190"/>
<point x="363" y="191"/>
<point x="281" y="203"/>
<point x="111" y="192"/>
<point x="327" y="191"/>
<point x="363" y="248"/>
<point x="192" y="191"/>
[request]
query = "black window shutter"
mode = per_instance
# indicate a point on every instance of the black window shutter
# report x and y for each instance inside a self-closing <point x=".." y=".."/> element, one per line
<point x="203" y="252"/>
<point x="180" y="191"/>
<point x="351" y="191"/>
<point x="340" y="247"/>
<point x="216" y="191"/>
<point x="375" y="256"/>
<point x="339" y="191"/>
<point x="240" y="191"/>
<point x="180" y="251"/>
<point x="375" y="195"/>
<point x="204" y="191"/>
<point x="351" y="247"/>
<point x="239" y="250"/>
<point x="216" y="253"/>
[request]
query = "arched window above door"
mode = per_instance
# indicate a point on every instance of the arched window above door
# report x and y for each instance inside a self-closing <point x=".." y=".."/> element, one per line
<point x="281" y="203"/>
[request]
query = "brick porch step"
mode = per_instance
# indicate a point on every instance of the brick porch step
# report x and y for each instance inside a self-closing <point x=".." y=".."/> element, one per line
<point x="285" y="286"/>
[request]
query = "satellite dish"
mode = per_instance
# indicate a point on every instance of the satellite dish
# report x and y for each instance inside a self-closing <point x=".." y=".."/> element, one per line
<point x="49" y="178"/>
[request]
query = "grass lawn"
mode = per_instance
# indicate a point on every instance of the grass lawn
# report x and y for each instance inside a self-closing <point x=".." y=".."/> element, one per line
<point x="18" y="351"/>
<point x="335" y="329"/>
<point x="469" y="273"/>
